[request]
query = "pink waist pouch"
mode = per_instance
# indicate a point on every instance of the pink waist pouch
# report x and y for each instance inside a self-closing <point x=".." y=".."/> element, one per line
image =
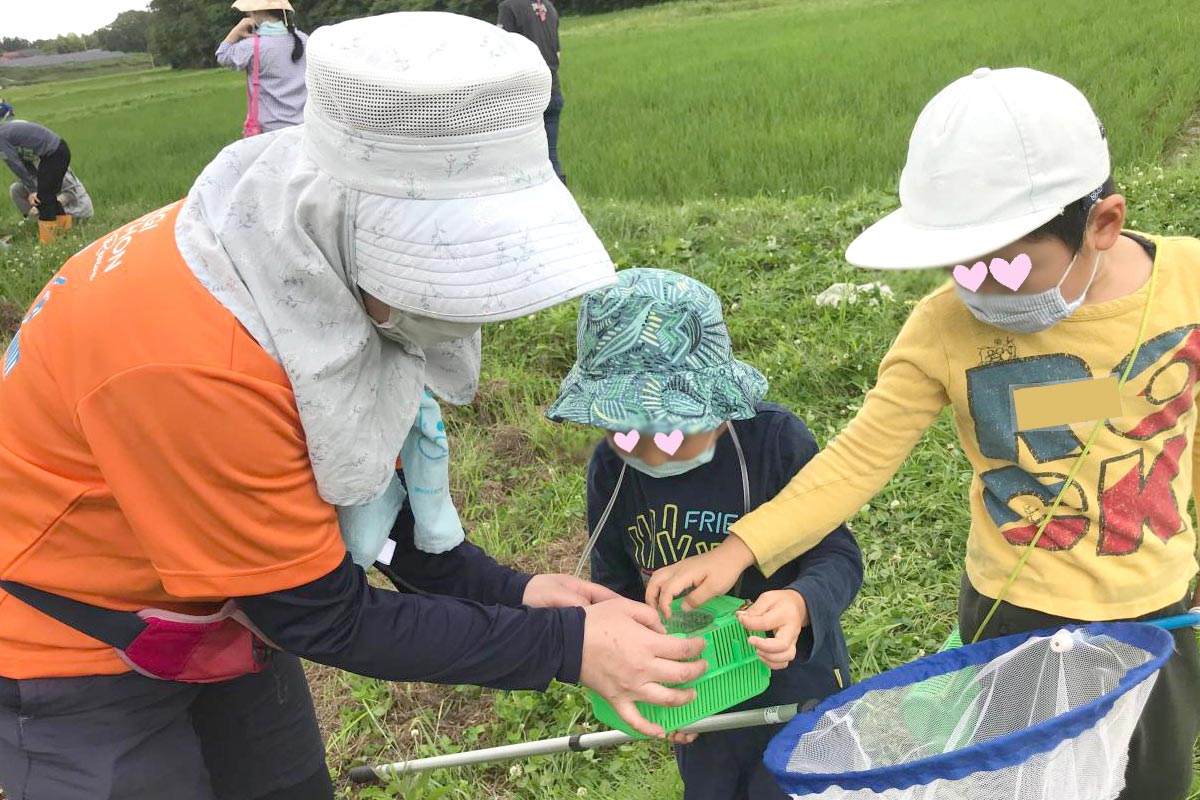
<point x="190" y="649"/>
<point x="162" y="644"/>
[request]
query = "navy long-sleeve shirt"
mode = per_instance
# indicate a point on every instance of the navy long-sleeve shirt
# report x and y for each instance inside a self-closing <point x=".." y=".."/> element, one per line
<point x="462" y="621"/>
<point x="658" y="521"/>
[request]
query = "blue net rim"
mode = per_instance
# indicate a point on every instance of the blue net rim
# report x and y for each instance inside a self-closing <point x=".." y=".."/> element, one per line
<point x="1004" y="751"/>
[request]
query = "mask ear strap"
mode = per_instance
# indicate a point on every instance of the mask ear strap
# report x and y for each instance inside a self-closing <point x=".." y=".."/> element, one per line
<point x="1095" y="269"/>
<point x="1071" y="266"/>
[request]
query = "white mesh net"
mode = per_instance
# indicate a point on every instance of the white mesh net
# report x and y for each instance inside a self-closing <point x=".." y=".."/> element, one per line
<point x="1034" y="684"/>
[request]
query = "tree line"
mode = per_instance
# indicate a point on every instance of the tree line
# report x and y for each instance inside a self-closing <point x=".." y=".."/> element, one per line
<point x="128" y="33"/>
<point x="185" y="33"/>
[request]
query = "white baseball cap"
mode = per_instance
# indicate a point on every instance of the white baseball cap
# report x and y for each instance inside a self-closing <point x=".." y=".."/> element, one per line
<point x="435" y="122"/>
<point x="993" y="157"/>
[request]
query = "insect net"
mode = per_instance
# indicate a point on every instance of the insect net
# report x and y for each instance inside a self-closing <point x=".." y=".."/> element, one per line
<point x="1044" y="716"/>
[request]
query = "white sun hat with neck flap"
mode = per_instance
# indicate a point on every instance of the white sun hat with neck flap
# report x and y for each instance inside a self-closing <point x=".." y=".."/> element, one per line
<point x="993" y="157"/>
<point x="435" y="120"/>
<point x="421" y="177"/>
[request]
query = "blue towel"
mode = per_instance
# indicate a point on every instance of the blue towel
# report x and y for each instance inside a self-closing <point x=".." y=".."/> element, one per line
<point x="426" y="463"/>
<point x="425" y="459"/>
<point x="365" y="528"/>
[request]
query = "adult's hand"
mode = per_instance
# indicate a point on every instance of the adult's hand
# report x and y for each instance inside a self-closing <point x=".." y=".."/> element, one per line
<point x="627" y="656"/>
<point x="33" y="199"/>
<point x="564" y="591"/>
<point x="707" y="575"/>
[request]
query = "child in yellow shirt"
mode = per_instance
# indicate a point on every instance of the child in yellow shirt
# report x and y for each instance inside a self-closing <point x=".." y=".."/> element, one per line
<point x="1056" y="317"/>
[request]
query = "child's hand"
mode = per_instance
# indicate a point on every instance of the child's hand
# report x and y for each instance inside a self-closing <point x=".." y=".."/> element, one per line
<point x="708" y="575"/>
<point x="783" y="612"/>
<point x="678" y="738"/>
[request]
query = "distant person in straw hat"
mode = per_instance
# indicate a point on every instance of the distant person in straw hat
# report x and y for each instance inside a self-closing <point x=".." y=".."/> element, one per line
<point x="200" y="424"/>
<point x="268" y="48"/>
<point x="537" y="20"/>
<point x="41" y="160"/>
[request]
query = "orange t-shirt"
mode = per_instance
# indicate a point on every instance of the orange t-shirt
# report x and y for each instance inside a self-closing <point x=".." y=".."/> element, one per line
<point x="151" y="454"/>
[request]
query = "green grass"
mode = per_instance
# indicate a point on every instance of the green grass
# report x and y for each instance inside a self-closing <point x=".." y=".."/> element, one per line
<point x="819" y="96"/>
<point x="731" y="97"/>
<point x="668" y="107"/>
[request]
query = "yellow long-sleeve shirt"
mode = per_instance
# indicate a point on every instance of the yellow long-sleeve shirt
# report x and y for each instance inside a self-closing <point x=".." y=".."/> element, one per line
<point x="1121" y="543"/>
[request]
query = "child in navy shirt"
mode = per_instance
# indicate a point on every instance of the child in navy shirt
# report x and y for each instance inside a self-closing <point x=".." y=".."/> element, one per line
<point x="689" y="448"/>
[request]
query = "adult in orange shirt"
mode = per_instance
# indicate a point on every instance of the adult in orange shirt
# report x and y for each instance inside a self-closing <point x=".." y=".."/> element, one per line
<point x="194" y="400"/>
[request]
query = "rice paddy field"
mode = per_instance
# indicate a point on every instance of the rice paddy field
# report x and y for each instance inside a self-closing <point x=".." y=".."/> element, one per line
<point x="742" y="142"/>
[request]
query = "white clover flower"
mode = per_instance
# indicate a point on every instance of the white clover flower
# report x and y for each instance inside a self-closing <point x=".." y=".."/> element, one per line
<point x="515" y="771"/>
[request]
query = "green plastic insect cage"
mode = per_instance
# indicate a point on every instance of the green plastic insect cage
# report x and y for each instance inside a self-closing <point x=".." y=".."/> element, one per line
<point x="735" y="673"/>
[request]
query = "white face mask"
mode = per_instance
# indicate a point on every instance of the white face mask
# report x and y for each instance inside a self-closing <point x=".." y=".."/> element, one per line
<point x="1028" y="313"/>
<point x="271" y="28"/>
<point x="424" y="332"/>
<point x="669" y="469"/>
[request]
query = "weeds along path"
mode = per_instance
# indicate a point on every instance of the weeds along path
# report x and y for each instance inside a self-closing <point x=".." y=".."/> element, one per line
<point x="1186" y="143"/>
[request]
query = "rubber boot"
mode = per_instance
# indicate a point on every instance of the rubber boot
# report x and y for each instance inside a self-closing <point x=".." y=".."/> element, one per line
<point x="65" y="221"/>
<point x="47" y="231"/>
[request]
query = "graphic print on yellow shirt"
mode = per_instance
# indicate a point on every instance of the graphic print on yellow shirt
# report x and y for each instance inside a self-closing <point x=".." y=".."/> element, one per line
<point x="1133" y="494"/>
<point x="1121" y="543"/>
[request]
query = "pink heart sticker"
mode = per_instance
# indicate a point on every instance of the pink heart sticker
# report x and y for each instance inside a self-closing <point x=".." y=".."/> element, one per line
<point x="627" y="441"/>
<point x="971" y="278"/>
<point x="669" y="443"/>
<point x="1011" y="275"/>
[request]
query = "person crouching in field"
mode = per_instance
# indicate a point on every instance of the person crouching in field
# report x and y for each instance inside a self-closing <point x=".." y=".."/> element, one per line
<point x="268" y="48"/>
<point x="74" y="198"/>
<point x="41" y="160"/>
<point x="689" y="443"/>
<point x="1008" y="170"/>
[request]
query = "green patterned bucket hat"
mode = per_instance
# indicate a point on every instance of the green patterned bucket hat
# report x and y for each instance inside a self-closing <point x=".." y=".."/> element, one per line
<point x="653" y="354"/>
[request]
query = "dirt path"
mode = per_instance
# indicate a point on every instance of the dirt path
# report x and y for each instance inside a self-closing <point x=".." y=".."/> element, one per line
<point x="1186" y="143"/>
